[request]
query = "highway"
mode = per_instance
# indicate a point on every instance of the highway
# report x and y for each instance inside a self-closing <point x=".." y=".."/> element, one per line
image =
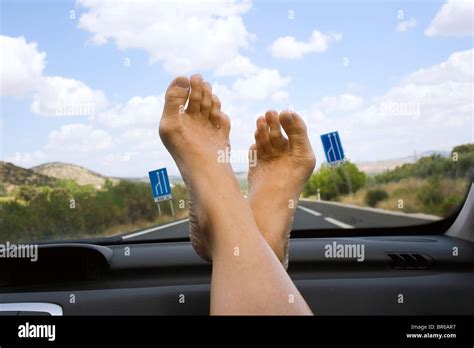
<point x="309" y="215"/>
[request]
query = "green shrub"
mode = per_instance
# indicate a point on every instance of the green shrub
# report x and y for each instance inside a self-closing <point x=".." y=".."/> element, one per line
<point x="374" y="196"/>
<point x="335" y="181"/>
<point x="26" y="193"/>
<point x="430" y="194"/>
<point x="71" y="211"/>
<point x="451" y="204"/>
<point x="458" y="165"/>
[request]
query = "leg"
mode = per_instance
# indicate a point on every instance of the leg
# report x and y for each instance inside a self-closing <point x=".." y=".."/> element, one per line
<point x="253" y="280"/>
<point x="276" y="182"/>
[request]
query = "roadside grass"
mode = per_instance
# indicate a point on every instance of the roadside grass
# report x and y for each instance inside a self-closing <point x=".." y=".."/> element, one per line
<point x="75" y="212"/>
<point x="414" y="195"/>
<point x="312" y="198"/>
<point x="6" y="199"/>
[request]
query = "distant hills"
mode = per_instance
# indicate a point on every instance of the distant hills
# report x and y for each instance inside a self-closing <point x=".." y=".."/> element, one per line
<point x="80" y="175"/>
<point x="12" y="175"/>
<point x="377" y="167"/>
<point x="48" y="173"/>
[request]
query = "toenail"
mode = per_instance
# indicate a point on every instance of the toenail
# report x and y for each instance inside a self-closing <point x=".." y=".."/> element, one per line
<point x="183" y="83"/>
<point x="288" y="117"/>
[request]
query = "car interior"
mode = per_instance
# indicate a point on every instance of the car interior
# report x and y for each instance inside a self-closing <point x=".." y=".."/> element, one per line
<point x="418" y="270"/>
<point x="195" y="170"/>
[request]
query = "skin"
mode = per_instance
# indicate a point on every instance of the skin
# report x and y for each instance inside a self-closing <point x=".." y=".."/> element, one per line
<point x="283" y="166"/>
<point x="247" y="276"/>
<point x="275" y="184"/>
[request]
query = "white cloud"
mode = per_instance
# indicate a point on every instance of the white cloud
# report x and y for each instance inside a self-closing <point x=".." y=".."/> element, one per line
<point x="340" y="103"/>
<point x="288" y="47"/>
<point x="141" y="139"/>
<point x="430" y="108"/>
<point x="455" y="18"/>
<point x="21" y="72"/>
<point x="185" y="36"/>
<point x="72" y="143"/>
<point x="21" y="66"/>
<point x="59" y="96"/>
<point x="238" y="66"/>
<point x="405" y="25"/>
<point x="459" y="67"/>
<point x="262" y="85"/>
<point x="266" y="83"/>
<point x="138" y="111"/>
<point x="78" y="137"/>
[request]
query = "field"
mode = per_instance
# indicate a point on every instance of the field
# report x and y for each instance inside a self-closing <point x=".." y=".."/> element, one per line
<point x="414" y="195"/>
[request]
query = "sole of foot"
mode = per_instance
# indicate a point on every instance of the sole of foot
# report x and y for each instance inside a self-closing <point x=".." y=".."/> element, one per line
<point x="195" y="135"/>
<point x="283" y="166"/>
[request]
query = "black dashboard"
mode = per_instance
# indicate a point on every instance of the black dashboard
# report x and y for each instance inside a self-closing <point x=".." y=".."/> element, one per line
<point x="406" y="275"/>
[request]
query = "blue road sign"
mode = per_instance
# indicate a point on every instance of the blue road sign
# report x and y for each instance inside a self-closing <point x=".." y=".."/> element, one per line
<point x="160" y="185"/>
<point x="333" y="148"/>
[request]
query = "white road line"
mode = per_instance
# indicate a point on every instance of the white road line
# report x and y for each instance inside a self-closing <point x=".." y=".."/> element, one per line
<point x="328" y="219"/>
<point x="376" y="210"/>
<point x="338" y="223"/>
<point x="313" y="212"/>
<point x="153" y="229"/>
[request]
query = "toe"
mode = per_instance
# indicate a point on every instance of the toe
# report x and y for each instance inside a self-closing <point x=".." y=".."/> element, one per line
<point x="195" y="97"/>
<point x="263" y="134"/>
<point x="276" y="137"/>
<point x="215" y="113"/>
<point x="295" y="128"/>
<point x="176" y="96"/>
<point x="224" y="123"/>
<point x="258" y="144"/>
<point x="206" y="102"/>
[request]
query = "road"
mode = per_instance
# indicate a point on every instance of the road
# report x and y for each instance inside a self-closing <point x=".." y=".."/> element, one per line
<point x="309" y="215"/>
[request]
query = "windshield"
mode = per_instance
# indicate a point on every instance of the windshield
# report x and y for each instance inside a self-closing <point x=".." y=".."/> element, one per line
<point x="385" y="90"/>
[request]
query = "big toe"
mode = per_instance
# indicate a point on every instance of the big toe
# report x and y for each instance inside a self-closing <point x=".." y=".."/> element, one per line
<point x="176" y="96"/>
<point x="295" y="129"/>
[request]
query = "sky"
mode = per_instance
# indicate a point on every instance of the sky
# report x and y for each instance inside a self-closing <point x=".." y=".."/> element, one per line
<point x="83" y="81"/>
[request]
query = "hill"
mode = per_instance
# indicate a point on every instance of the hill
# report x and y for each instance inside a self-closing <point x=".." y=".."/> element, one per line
<point x="12" y="175"/>
<point x="376" y="167"/>
<point x="81" y="175"/>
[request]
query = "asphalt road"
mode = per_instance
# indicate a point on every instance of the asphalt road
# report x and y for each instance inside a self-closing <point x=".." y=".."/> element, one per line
<point x="309" y="215"/>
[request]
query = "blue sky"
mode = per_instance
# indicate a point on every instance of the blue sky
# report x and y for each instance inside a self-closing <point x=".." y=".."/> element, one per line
<point x="426" y="69"/>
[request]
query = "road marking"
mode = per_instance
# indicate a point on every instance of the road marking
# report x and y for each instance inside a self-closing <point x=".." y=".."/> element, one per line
<point x="315" y="213"/>
<point x="153" y="229"/>
<point x="338" y="223"/>
<point x="328" y="219"/>
<point x="376" y="210"/>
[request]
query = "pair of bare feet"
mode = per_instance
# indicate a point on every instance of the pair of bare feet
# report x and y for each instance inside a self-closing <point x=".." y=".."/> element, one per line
<point x="196" y="135"/>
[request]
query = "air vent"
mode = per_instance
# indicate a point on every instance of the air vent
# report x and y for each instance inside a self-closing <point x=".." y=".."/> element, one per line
<point x="409" y="261"/>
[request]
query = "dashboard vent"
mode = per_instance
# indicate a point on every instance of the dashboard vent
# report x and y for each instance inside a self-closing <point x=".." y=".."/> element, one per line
<point x="409" y="261"/>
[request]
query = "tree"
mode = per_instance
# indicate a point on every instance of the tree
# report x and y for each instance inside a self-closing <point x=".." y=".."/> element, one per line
<point x="335" y="181"/>
<point x="26" y="193"/>
<point x="3" y="191"/>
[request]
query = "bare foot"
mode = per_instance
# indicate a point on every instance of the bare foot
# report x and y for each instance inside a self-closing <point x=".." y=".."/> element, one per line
<point x="276" y="182"/>
<point x="194" y="137"/>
